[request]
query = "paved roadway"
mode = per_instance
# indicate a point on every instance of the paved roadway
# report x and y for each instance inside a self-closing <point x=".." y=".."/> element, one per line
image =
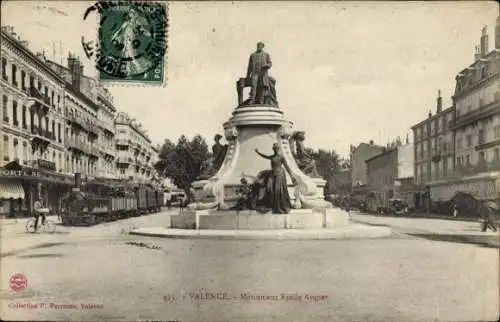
<point x="428" y="270"/>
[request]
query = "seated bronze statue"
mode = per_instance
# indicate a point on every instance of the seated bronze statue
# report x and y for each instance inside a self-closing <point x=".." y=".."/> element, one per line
<point x="263" y="86"/>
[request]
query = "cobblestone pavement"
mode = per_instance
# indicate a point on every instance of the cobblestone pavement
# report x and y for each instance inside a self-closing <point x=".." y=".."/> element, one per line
<point x="122" y="277"/>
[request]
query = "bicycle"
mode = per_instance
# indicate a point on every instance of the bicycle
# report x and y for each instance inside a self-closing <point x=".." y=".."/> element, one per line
<point x="47" y="227"/>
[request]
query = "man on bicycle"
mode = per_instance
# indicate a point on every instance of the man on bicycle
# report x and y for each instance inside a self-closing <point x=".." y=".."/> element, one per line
<point x="37" y="206"/>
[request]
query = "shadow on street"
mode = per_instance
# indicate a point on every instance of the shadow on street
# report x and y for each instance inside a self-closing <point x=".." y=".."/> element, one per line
<point x="483" y="241"/>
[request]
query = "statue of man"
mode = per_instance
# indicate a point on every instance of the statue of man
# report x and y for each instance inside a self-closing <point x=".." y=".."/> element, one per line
<point x="263" y="89"/>
<point x="218" y="152"/>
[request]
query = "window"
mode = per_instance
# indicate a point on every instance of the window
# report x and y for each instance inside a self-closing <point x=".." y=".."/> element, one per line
<point x="481" y="102"/>
<point x="14" y="74"/>
<point x="25" y="125"/>
<point x="25" y="153"/>
<point x="52" y="102"/>
<point x="5" y="112"/>
<point x="497" y="131"/>
<point x="6" y="148"/>
<point x="46" y="124"/>
<point x="53" y="129"/>
<point x="59" y="132"/>
<point x="496" y="97"/>
<point x="15" y="145"/>
<point x="482" y="156"/>
<point x="467" y="159"/>
<point x="32" y="81"/>
<point x="469" y="140"/>
<point x="4" y="68"/>
<point x="496" y="154"/>
<point x="480" y="138"/>
<point x="14" y="113"/>
<point x="23" y="80"/>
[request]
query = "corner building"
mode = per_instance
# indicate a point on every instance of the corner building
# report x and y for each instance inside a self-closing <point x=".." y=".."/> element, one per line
<point x="32" y="150"/>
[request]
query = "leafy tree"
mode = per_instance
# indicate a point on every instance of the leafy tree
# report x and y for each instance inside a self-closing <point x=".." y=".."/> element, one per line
<point x="183" y="161"/>
<point x="326" y="162"/>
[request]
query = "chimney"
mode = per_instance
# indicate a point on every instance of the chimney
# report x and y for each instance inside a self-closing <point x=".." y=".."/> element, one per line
<point x="484" y="41"/>
<point x="430" y="114"/>
<point x="25" y="43"/>
<point x="407" y="139"/>
<point x="8" y="29"/>
<point x="477" y="54"/>
<point x="439" y="107"/>
<point x="371" y="142"/>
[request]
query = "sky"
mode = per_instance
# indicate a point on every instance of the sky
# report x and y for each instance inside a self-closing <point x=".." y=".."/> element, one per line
<point x="347" y="72"/>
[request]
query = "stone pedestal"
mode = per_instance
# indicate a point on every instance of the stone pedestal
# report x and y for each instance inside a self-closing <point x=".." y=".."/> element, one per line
<point x="252" y="220"/>
<point x="254" y="127"/>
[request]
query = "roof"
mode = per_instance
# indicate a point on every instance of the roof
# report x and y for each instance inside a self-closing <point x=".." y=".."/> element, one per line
<point x="81" y="96"/>
<point x="445" y="111"/>
<point x="30" y="54"/>
<point x="387" y="151"/>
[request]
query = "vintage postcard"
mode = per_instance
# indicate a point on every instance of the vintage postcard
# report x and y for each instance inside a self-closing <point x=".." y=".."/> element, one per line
<point x="249" y="161"/>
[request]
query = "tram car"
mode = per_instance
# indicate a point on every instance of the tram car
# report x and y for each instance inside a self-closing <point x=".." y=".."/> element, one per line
<point x="100" y="203"/>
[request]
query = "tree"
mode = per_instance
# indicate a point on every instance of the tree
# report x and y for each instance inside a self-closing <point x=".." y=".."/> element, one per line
<point x="326" y="162"/>
<point x="183" y="161"/>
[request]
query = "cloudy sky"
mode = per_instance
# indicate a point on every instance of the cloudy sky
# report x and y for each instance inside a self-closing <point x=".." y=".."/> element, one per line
<point x="346" y="71"/>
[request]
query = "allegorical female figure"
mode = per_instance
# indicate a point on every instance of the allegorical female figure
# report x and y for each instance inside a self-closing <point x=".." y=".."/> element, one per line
<point x="305" y="162"/>
<point x="277" y="195"/>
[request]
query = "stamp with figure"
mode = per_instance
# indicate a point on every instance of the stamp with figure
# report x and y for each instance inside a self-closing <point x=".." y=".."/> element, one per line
<point x="131" y="41"/>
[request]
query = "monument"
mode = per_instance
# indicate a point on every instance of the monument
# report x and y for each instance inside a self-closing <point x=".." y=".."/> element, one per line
<point x="258" y="123"/>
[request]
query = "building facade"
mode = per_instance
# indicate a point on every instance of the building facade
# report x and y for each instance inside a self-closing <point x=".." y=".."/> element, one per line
<point x="33" y="144"/>
<point x="390" y="175"/>
<point x="358" y="156"/>
<point x="476" y="129"/>
<point x="136" y="155"/>
<point x="434" y="147"/>
<point x="106" y="119"/>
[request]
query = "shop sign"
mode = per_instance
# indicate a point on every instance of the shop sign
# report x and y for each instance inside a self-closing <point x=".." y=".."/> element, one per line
<point x="18" y="173"/>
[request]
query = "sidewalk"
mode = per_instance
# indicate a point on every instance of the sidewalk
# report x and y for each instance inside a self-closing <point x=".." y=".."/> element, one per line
<point x="431" y="216"/>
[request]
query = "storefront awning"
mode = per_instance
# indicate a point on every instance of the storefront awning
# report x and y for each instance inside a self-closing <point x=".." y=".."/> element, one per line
<point x="11" y="190"/>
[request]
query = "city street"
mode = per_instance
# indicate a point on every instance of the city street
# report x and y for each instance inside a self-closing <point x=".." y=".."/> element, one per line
<point x="428" y="270"/>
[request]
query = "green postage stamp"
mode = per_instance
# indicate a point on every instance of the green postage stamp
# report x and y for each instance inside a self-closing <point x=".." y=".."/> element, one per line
<point x="131" y="41"/>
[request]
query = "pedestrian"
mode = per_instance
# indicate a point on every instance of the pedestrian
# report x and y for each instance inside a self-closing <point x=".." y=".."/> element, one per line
<point x="488" y="220"/>
<point x="455" y="210"/>
<point x="37" y="206"/>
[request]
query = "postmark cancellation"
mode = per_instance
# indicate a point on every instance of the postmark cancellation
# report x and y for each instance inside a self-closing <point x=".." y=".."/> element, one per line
<point x="132" y="42"/>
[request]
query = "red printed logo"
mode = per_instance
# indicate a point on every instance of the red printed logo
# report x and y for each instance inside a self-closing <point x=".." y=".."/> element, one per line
<point x="18" y="282"/>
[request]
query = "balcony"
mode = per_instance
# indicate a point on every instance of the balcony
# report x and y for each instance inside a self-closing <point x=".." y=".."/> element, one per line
<point x="77" y="145"/>
<point x="480" y="167"/>
<point x="39" y="103"/>
<point x="6" y="119"/>
<point x="123" y="142"/>
<point x="40" y="134"/>
<point x="77" y="121"/>
<point x="483" y="112"/>
<point x="124" y="160"/>
<point x="482" y="144"/>
<point x="93" y="151"/>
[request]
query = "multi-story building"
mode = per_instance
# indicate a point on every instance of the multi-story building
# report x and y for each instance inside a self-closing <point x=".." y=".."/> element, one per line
<point x="390" y="174"/>
<point x="135" y="153"/>
<point x="358" y="156"/>
<point x="106" y="117"/>
<point x="32" y="150"/>
<point x="434" y="148"/>
<point x="81" y="131"/>
<point x="476" y="129"/>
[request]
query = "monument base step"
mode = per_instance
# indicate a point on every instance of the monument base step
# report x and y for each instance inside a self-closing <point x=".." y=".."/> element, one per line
<point x="253" y="220"/>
